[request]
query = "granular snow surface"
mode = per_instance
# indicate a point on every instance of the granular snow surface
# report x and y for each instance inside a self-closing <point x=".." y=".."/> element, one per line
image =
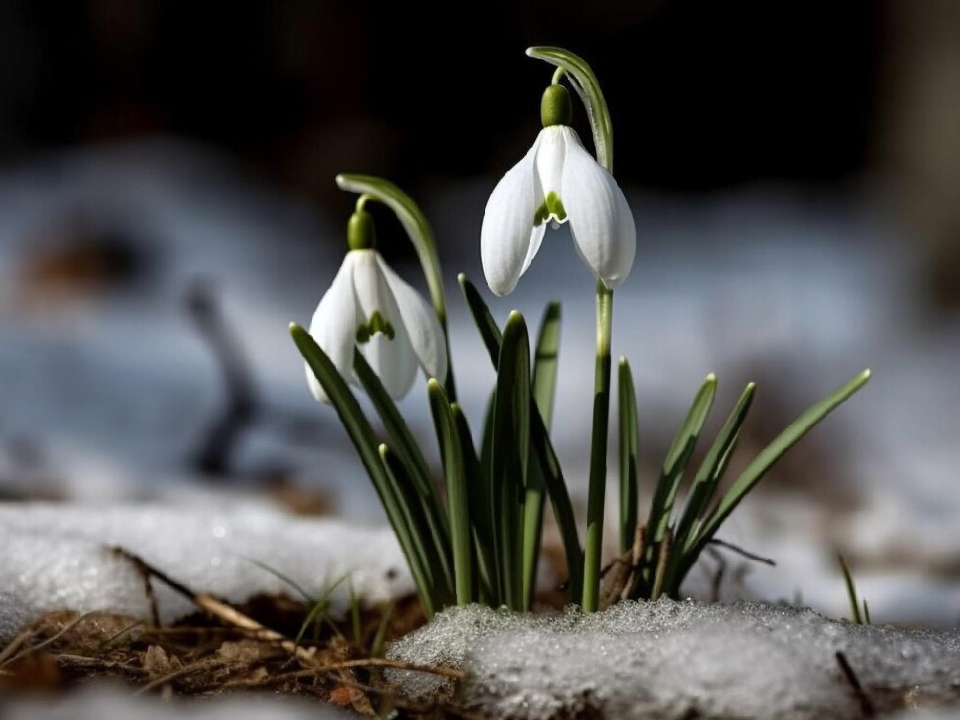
<point x="678" y="660"/>
<point x="58" y="557"/>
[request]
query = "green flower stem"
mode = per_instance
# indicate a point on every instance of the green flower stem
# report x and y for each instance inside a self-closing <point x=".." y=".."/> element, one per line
<point x="598" y="451"/>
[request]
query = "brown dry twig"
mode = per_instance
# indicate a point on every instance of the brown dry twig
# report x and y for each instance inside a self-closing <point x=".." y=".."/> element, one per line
<point x="233" y="617"/>
<point x="866" y="705"/>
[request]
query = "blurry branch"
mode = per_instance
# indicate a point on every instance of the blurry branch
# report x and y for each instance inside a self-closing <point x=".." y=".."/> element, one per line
<point x="213" y="455"/>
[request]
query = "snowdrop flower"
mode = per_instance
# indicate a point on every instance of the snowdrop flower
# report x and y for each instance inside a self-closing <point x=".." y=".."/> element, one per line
<point x="368" y="307"/>
<point x="556" y="181"/>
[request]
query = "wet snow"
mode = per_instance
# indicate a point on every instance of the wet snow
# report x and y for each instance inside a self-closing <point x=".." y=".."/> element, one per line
<point x="678" y="660"/>
<point x="58" y="557"/>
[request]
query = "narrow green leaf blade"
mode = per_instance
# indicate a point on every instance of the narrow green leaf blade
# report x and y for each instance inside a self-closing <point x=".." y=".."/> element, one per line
<point x="708" y="475"/>
<point x="364" y="440"/>
<point x="855" y="615"/>
<point x="546" y="362"/>
<point x="511" y="443"/>
<point x="489" y="331"/>
<point x="676" y="460"/>
<point x="545" y="365"/>
<point x="541" y="445"/>
<point x="458" y="500"/>
<point x="774" y="451"/>
<point x="629" y="452"/>
<point x="406" y="447"/>
<point x="406" y="499"/>
<point x="479" y="493"/>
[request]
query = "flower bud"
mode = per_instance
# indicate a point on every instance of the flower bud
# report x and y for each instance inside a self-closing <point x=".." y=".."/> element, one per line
<point x="360" y="232"/>
<point x="555" y="106"/>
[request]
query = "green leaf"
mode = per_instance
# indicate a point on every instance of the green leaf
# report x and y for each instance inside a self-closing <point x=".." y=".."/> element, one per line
<point x="545" y="364"/>
<point x="376" y="647"/>
<point x="855" y="615"/>
<point x="282" y="578"/>
<point x="489" y="498"/>
<point x="587" y="86"/>
<point x="478" y="489"/>
<point x="709" y="474"/>
<point x="421" y="235"/>
<point x="405" y="494"/>
<point x="364" y="440"/>
<point x="319" y="609"/>
<point x="676" y="460"/>
<point x="773" y="452"/>
<point x="560" y="502"/>
<point x="541" y="445"/>
<point x="489" y="332"/>
<point x="511" y="447"/>
<point x="406" y="447"/>
<point x="458" y="500"/>
<point x="629" y="452"/>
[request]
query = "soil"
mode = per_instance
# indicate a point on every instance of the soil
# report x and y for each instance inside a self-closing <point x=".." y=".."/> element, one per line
<point x="202" y="656"/>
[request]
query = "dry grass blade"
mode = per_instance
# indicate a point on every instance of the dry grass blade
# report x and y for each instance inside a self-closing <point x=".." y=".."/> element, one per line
<point x="50" y="640"/>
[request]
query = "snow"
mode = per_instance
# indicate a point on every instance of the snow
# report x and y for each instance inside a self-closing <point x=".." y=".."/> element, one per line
<point x="106" y="703"/>
<point x="678" y="660"/>
<point x="58" y="557"/>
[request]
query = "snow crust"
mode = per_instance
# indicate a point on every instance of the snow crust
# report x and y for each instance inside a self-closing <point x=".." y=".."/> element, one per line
<point x="58" y="557"/>
<point x="105" y="703"/>
<point x="678" y="660"/>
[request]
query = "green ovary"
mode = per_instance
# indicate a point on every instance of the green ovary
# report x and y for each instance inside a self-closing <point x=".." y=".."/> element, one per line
<point x="552" y="205"/>
<point x="376" y="324"/>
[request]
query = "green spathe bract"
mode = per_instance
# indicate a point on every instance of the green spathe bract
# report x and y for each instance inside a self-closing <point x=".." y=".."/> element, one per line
<point x="479" y="540"/>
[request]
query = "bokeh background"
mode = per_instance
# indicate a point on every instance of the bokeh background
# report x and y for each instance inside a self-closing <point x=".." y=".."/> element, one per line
<point x="167" y="205"/>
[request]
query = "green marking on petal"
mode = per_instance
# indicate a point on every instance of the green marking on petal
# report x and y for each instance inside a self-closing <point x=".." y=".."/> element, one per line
<point x="551" y="206"/>
<point x="555" y="206"/>
<point x="376" y="324"/>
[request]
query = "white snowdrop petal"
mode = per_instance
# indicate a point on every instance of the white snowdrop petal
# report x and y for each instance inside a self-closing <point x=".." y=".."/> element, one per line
<point x="421" y="323"/>
<point x="626" y="247"/>
<point x="600" y="219"/>
<point x="392" y="359"/>
<point x="550" y="155"/>
<point x="334" y="326"/>
<point x="507" y="221"/>
<point x="536" y="237"/>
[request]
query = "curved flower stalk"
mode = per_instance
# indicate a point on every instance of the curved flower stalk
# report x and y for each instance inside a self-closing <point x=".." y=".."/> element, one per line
<point x="370" y="309"/>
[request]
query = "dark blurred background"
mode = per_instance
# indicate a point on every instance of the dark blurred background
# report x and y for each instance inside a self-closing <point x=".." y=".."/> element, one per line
<point x="705" y="94"/>
<point x="167" y="204"/>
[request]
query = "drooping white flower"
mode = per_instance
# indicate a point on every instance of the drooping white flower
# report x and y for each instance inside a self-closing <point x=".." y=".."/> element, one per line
<point x="370" y="308"/>
<point x="557" y="181"/>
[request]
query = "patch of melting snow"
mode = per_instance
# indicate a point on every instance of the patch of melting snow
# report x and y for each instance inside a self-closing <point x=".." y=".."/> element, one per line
<point x="105" y="703"/>
<point x="58" y="557"/>
<point x="677" y="660"/>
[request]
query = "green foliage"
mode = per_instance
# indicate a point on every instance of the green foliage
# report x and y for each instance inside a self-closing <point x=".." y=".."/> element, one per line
<point x="858" y="616"/>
